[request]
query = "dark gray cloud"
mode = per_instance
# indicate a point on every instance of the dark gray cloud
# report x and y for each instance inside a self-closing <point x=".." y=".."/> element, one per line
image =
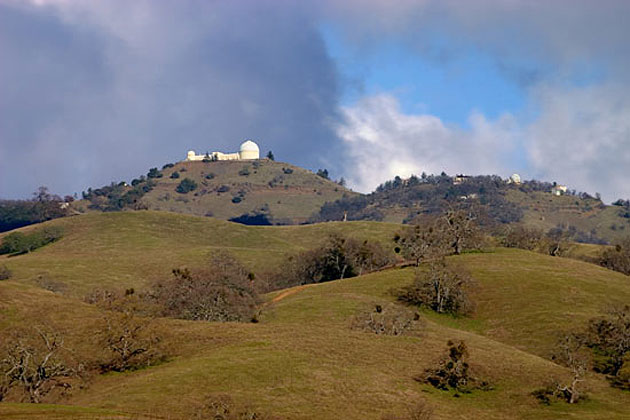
<point x="93" y="92"/>
<point x="100" y="90"/>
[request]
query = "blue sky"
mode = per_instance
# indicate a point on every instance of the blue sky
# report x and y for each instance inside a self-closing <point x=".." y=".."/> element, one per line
<point x="468" y="82"/>
<point x="98" y="91"/>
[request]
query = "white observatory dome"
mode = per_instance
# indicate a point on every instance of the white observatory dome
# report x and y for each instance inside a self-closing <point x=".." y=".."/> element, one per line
<point x="249" y="150"/>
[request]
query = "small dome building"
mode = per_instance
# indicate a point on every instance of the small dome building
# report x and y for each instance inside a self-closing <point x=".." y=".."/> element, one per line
<point x="515" y="179"/>
<point x="249" y="150"/>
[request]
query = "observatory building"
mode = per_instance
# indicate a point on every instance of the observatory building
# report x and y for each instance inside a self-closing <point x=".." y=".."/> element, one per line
<point x="248" y="151"/>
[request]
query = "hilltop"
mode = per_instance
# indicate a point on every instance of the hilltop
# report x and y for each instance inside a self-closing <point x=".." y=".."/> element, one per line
<point x="302" y="360"/>
<point x="499" y="202"/>
<point x="257" y="191"/>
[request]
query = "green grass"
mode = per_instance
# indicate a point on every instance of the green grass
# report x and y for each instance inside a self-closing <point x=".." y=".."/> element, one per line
<point x="292" y="198"/>
<point x="130" y="249"/>
<point x="302" y="360"/>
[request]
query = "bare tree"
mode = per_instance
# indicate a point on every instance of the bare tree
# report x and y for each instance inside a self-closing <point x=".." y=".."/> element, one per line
<point x="421" y="242"/>
<point x="222" y="292"/>
<point x="461" y="230"/>
<point x="442" y="288"/>
<point x="572" y="353"/>
<point x="130" y="342"/>
<point x="34" y="364"/>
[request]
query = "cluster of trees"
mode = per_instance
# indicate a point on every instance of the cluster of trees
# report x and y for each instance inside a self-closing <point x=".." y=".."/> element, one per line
<point x="440" y="287"/>
<point x="36" y="364"/>
<point x="603" y="346"/>
<point x="120" y="196"/>
<point x="432" y="237"/>
<point x="224" y="291"/>
<point x="16" y="243"/>
<point x="428" y="194"/>
<point x="617" y="258"/>
<point x="337" y="258"/>
<point x="44" y="206"/>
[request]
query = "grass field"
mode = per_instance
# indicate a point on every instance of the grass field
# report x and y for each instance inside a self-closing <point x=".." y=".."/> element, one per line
<point x="302" y="361"/>
<point x="289" y="193"/>
<point x="128" y="249"/>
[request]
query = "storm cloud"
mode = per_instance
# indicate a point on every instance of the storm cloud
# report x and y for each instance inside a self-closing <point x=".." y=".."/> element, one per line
<point x="92" y="92"/>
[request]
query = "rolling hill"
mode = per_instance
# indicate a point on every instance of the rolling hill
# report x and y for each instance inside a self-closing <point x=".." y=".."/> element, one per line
<point x="279" y="192"/>
<point x="302" y="360"/>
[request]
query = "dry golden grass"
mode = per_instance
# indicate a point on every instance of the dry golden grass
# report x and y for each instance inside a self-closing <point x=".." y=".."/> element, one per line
<point x="303" y="360"/>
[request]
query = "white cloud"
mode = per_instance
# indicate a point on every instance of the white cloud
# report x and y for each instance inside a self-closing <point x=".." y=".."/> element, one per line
<point x="383" y="142"/>
<point x="582" y="138"/>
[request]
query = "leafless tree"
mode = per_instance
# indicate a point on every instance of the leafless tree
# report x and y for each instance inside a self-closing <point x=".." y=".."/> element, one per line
<point x="460" y="229"/>
<point x="523" y="237"/>
<point x="421" y="242"/>
<point x="130" y="343"/>
<point x="572" y="353"/>
<point x="222" y="292"/>
<point x="34" y="363"/>
<point x="441" y="288"/>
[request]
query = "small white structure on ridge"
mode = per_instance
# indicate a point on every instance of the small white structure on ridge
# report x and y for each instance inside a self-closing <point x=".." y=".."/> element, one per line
<point x="248" y="151"/>
<point x="514" y="179"/>
<point x="559" y="190"/>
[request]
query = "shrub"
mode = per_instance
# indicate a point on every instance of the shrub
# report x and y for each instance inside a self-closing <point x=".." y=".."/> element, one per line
<point x="222" y="292"/>
<point x="244" y="171"/>
<point x="523" y="237"/>
<point x="154" y="173"/>
<point x="223" y="189"/>
<point x="453" y="371"/>
<point x="337" y="258"/>
<point x="210" y="176"/>
<point x="20" y="243"/>
<point x="5" y="273"/>
<point x="175" y="175"/>
<point x="441" y="288"/>
<point x="609" y="338"/>
<point x="287" y="171"/>
<point x="390" y="319"/>
<point x="168" y="165"/>
<point x="617" y="258"/>
<point x="222" y="407"/>
<point x="236" y="199"/>
<point x="186" y="185"/>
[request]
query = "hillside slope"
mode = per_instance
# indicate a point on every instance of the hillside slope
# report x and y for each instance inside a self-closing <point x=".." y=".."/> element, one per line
<point x="531" y="203"/>
<point x="128" y="249"/>
<point x="303" y="361"/>
<point x="279" y="193"/>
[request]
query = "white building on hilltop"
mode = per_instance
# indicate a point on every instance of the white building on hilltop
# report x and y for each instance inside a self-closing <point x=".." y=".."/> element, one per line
<point x="514" y="179"/>
<point x="248" y="151"/>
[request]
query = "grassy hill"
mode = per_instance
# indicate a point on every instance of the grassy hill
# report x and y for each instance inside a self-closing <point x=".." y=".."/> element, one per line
<point x="283" y="193"/>
<point x="302" y="360"/>
<point x="531" y="203"/>
<point x="128" y="249"/>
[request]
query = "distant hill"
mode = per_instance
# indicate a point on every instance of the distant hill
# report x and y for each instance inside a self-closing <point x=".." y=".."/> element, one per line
<point x="530" y="202"/>
<point x="252" y="192"/>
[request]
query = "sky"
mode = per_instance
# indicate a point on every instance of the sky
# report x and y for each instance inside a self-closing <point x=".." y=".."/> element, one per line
<point x="98" y="91"/>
